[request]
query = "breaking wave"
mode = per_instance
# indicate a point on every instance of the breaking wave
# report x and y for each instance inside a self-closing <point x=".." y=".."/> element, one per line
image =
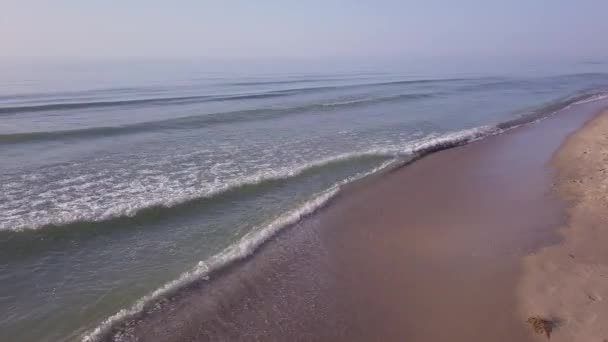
<point x="254" y="239"/>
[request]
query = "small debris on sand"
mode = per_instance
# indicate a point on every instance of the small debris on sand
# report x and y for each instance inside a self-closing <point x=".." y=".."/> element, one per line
<point x="541" y="325"/>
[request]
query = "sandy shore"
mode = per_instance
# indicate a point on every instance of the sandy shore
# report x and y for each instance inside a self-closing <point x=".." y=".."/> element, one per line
<point x="567" y="283"/>
<point x="430" y="252"/>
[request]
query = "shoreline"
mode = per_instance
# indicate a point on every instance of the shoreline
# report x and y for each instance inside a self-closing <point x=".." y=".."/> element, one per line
<point x="278" y="255"/>
<point x="566" y="283"/>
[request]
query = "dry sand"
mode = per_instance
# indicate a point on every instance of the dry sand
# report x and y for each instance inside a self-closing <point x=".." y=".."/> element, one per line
<point x="568" y="282"/>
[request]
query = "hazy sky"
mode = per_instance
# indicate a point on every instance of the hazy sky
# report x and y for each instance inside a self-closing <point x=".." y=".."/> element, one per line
<point x="305" y="29"/>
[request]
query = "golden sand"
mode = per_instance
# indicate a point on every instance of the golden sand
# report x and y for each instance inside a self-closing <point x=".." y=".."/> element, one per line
<point x="569" y="281"/>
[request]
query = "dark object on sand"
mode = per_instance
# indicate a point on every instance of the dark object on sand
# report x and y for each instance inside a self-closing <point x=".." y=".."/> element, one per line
<point x="541" y="325"/>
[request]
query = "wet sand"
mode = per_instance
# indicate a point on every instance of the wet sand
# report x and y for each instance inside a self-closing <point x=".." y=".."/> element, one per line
<point x="567" y="283"/>
<point x="429" y="252"/>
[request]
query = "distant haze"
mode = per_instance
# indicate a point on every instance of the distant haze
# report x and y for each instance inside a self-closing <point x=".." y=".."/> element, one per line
<point x="314" y="29"/>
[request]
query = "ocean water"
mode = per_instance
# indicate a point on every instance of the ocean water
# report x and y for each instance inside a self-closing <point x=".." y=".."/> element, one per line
<point x="121" y="182"/>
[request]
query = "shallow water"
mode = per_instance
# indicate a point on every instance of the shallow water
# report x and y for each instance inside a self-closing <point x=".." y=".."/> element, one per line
<point x="116" y="179"/>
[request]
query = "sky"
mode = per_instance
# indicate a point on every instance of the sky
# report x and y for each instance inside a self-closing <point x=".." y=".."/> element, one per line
<point x="311" y="29"/>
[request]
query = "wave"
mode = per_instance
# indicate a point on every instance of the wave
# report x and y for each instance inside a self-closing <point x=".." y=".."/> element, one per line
<point x="592" y="98"/>
<point x="241" y="250"/>
<point x="288" y="81"/>
<point x="585" y="75"/>
<point x="381" y="99"/>
<point x="72" y="94"/>
<point x="155" y="101"/>
<point x="345" y="79"/>
<point x="169" y="204"/>
<point x="553" y="107"/>
<point x="249" y="243"/>
<point x="203" y="98"/>
<point x="424" y="146"/>
<point x="200" y="121"/>
<point x="495" y="83"/>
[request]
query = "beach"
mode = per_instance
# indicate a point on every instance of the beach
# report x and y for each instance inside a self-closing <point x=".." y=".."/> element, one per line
<point x="568" y="282"/>
<point x="303" y="171"/>
<point x="452" y="247"/>
<point x="182" y="202"/>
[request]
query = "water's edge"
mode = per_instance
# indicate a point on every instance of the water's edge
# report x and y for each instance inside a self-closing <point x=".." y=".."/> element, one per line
<point x="257" y="237"/>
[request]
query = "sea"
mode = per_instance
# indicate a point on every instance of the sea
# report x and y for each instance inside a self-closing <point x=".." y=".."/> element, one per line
<point x="123" y="181"/>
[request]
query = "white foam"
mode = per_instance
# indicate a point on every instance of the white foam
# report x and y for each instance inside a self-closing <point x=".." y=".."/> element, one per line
<point x="87" y="207"/>
<point x="76" y="199"/>
<point x="593" y="98"/>
<point x="436" y="142"/>
<point x="252" y="240"/>
<point x="238" y="251"/>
